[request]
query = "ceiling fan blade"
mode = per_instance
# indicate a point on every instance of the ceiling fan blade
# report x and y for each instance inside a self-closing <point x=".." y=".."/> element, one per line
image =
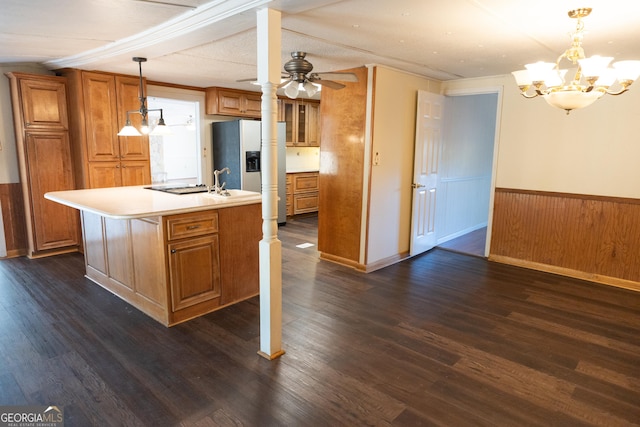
<point x="328" y="83"/>
<point x="284" y="83"/>
<point x="255" y="79"/>
<point x="343" y="77"/>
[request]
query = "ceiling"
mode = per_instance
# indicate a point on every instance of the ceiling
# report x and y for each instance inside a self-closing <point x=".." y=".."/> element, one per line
<point x="213" y="43"/>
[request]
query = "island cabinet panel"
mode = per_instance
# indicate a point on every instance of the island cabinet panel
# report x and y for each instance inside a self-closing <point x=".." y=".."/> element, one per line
<point x="119" y="254"/>
<point x="240" y="234"/>
<point x="177" y="267"/>
<point x="95" y="256"/>
<point x="149" y="268"/>
<point x="125" y="256"/>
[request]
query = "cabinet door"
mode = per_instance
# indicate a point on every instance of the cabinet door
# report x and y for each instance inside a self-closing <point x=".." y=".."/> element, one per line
<point x="101" y="120"/>
<point x="313" y="124"/>
<point x="104" y="174"/>
<point x="194" y="271"/>
<point x="288" y="116"/>
<point x="301" y="124"/>
<point x="253" y="105"/>
<point x="49" y="169"/>
<point x="44" y="104"/>
<point x="128" y="99"/>
<point x="135" y="173"/>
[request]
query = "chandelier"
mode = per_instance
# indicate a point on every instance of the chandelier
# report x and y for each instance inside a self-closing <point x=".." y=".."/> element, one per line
<point x="128" y="129"/>
<point x="592" y="78"/>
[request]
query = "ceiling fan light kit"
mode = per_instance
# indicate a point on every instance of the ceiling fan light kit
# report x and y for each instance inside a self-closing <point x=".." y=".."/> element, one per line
<point x="129" y="130"/>
<point x="592" y="78"/>
<point x="298" y="77"/>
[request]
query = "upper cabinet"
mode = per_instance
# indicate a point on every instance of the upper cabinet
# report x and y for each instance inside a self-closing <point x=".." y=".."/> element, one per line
<point x="99" y="103"/>
<point x="44" y="156"/>
<point x="302" y="119"/>
<point x="232" y="102"/>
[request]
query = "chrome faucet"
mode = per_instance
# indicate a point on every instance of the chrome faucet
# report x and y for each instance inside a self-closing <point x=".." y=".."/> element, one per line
<point x="217" y="188"/>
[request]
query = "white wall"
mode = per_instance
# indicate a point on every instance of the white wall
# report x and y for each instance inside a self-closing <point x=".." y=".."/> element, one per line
<point x="393" y="139"/>
<point x="594" y="150"/>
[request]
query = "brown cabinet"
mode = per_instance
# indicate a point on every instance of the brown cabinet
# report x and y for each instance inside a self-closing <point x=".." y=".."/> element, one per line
<point x="42" y="138"/>
<point x="304" y="192"/>
<point x="99" y="102"/>
<point x="176" y="267"/>
<point x="194" y="260"/>
<point x="231" y="102"/>
<point x="302" y="122"/>
<point x="289" y="194"/>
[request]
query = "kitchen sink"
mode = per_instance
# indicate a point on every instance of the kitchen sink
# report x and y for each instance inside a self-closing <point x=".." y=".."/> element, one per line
<point x="232" y="194"/>
<point x="179" y="188"/>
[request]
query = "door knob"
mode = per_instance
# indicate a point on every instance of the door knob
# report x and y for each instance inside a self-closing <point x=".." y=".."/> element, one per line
<point x="414" y="185"/>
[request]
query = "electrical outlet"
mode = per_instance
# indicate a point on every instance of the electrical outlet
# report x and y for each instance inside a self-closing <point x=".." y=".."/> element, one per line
<point x="376" y="159"/>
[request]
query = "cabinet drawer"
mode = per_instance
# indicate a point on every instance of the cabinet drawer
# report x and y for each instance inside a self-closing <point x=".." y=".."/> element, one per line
<point x="304" y="203"/>
<point x="191" y="224"/>
<point x="304" y="182"/>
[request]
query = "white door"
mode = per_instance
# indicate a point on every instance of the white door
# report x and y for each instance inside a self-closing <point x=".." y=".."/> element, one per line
<point x="425" y="171"/>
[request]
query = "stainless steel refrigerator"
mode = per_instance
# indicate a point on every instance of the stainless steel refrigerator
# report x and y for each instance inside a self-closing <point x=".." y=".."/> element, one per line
<point x="237" y="146"/>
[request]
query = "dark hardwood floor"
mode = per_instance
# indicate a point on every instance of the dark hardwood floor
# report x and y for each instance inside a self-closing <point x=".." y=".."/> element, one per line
<point x="472" y="243"/>
<point x="441" y="339"/>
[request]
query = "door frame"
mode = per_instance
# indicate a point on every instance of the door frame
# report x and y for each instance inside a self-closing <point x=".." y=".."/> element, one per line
<point x="496" y="143"/>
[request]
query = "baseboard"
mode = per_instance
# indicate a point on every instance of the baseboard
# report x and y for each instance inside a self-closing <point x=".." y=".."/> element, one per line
<point x="14" y="253"/>
<point x="342" y="261"/>
<point x="591" y="277"/>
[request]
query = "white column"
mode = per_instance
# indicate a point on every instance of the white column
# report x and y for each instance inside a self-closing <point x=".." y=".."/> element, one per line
<point x="269" y="63"/>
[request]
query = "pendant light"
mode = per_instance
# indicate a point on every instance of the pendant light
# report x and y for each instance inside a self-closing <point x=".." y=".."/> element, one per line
<point x="129" y="130"/>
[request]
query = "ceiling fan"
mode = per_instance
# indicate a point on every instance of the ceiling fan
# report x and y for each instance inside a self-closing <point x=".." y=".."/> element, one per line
<point x="298" y="76"/>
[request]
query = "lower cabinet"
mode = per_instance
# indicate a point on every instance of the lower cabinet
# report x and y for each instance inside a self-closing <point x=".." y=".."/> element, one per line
<point x="304" y="189"/>
<point x="193" y="251"/>
<point x="177" y="267"/>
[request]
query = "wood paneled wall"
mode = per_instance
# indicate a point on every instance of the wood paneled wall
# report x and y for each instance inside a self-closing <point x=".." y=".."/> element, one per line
<point x="590" y="237"/>
<point x="13" y="217"/>
<point x="343" y="120"/>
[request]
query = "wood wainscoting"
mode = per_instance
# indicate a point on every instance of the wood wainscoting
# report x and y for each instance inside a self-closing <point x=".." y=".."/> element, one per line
<point x="15" y="231"/>
<point x="595" y="238"/>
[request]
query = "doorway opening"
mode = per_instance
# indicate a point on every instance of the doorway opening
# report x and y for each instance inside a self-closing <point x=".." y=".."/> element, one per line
<point x="175" y="157"/>
<point x="467" y="172"/>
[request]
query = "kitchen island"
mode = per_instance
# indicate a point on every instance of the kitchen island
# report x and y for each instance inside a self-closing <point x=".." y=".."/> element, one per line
<point x="174" y="257"/>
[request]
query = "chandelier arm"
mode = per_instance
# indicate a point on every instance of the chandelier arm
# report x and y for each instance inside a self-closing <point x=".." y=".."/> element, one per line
<point x="526" y="95"/>
<point x="620" y="92"/>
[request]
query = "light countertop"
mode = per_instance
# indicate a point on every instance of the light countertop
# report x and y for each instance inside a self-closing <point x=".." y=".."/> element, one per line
<point x="138" y="202"/>
<point x="302" y="170"/>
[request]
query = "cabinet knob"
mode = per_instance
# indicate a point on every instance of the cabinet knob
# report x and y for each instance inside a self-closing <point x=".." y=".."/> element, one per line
<point x="27" y="124"/>
<point x="117" y="166"/>
<point x="173" y="251"/>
